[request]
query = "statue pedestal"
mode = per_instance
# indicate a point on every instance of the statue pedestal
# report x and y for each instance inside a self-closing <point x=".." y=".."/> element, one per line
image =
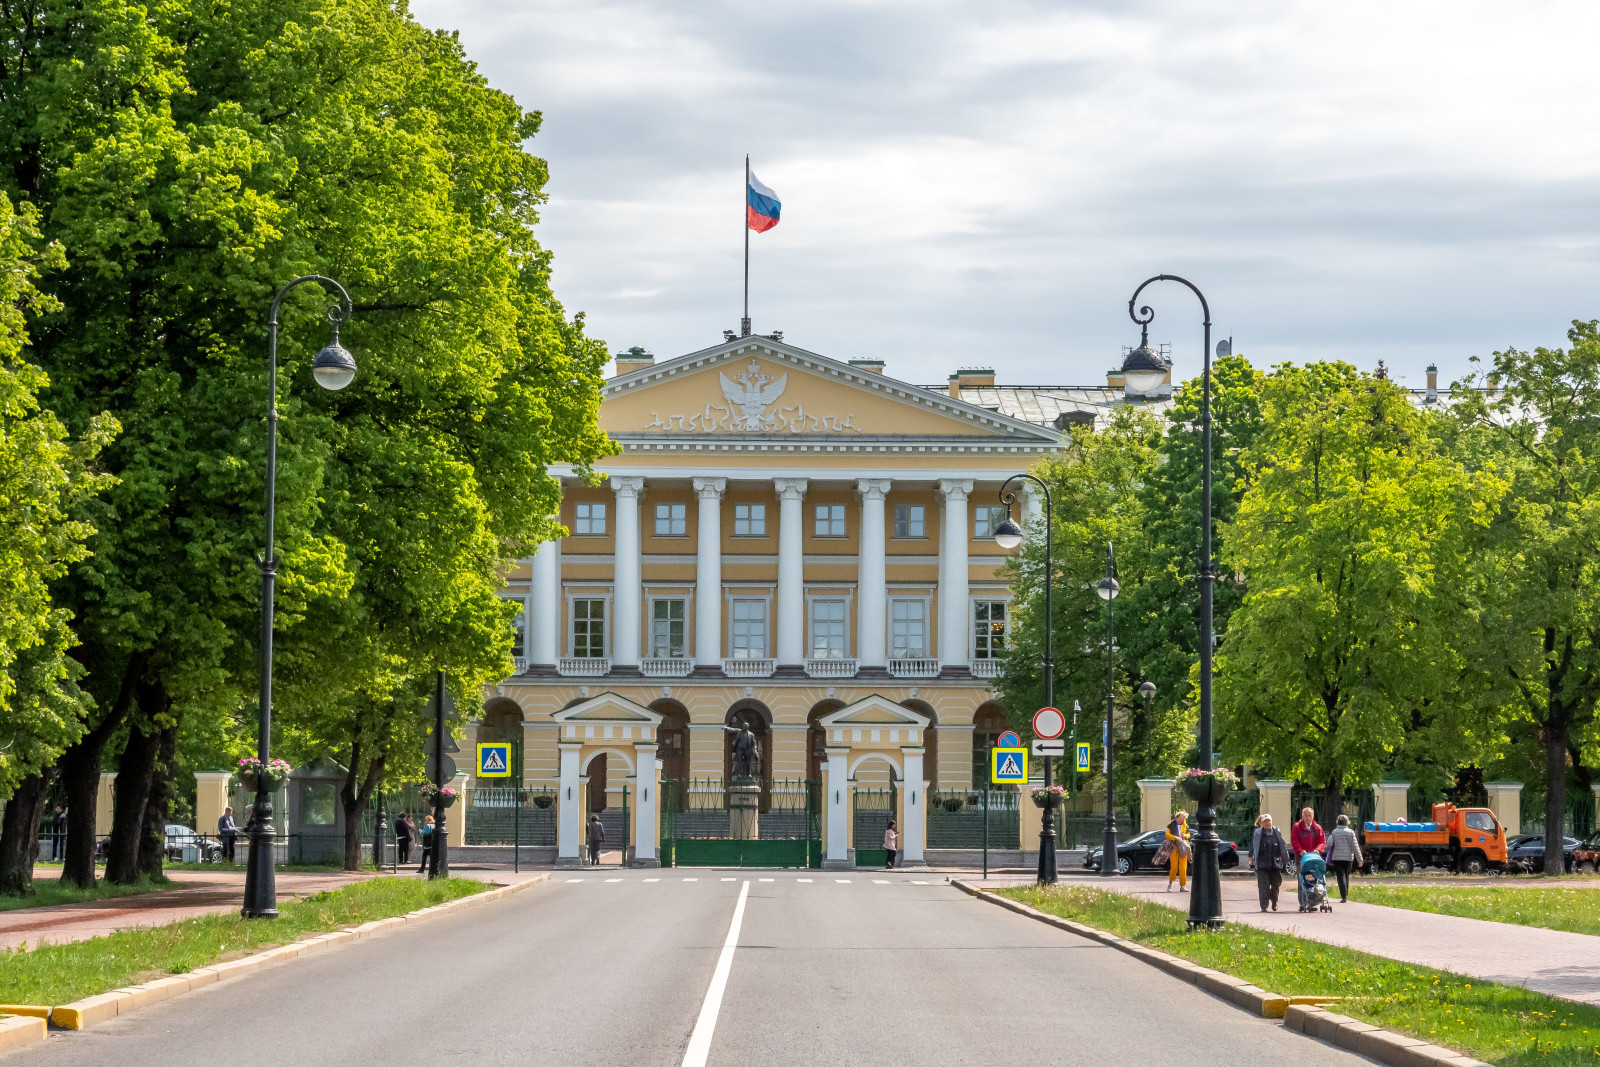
<point x="744" y="809"/>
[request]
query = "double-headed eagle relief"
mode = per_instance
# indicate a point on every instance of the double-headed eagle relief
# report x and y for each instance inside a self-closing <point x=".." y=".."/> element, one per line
<point x="749" y="395"/>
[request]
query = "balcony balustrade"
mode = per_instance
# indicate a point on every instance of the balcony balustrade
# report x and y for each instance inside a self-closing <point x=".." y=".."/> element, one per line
<point x="831" y="668"/>
<point x="985" y="668"/>
<point x="748" y="668"/>
<point x="583" y="667"/>
<point x="666" y="667"/>
<point x="914" y="668"/>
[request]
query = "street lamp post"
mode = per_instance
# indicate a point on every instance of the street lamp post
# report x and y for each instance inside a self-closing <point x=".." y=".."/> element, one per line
<point x="1008" y="535"/>
<point x="1108" y="590"/>
<point x="1144" y="370"/>
<point x="333" y="368"/>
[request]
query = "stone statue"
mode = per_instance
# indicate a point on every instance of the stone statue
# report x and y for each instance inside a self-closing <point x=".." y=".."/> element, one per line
<point x="746" y="753"/>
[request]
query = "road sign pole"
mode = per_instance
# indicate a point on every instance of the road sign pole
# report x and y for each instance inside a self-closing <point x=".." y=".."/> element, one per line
<point x="986" y="832"/>
<point x="439" y="859"/>
<point x="516" y="819"/>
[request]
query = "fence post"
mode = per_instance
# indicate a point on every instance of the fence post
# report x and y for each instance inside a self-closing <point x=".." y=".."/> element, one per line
<point x="1505" y="800"/>
<point x="1389" y="801"/>
<point x="1277" y="800"/>
<point x="1155" y="803"/>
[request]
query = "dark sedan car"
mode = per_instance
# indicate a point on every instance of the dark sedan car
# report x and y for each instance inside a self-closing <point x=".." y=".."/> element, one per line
<point x="1525" y="852"/>
<point x="1139" y="853"/>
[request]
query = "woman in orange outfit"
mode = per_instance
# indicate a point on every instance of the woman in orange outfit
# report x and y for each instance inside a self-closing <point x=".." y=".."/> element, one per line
<point x="1179" y="849"/>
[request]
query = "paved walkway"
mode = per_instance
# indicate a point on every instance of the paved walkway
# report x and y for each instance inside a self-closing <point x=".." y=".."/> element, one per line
<point x="1550" y="961"/>
<point x="198" y="893"/>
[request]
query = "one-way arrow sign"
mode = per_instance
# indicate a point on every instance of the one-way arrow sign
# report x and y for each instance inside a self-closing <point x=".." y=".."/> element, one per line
<point x="1050" y="748"/>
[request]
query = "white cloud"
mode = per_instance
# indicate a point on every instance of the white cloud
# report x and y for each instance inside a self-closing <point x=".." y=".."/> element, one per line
<point x="969" y="183"/>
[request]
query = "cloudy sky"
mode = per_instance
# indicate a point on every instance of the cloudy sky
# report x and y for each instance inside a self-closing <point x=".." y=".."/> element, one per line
<point x="985" y="183"/>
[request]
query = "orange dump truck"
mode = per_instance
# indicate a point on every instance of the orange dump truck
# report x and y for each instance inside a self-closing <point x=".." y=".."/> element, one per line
<point x="1468" y="840"/>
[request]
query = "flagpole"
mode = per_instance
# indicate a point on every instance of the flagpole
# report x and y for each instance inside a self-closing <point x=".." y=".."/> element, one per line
<point x="744" y="323"/>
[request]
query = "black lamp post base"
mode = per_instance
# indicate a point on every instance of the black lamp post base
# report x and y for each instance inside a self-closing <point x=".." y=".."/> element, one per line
<point x="1047" y="856"/>
<point x="260" y="881"/>
<point x="1205" y="894"/>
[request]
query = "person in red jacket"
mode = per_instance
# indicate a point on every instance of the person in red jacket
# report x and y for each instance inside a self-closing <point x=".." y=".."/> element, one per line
<point x="1306" y="836"/>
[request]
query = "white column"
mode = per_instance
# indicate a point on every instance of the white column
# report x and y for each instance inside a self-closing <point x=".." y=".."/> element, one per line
<point x="626" y="578"/>
<point x="914" y="810"/>
<point x="954" y="639"/>
<point x="646" y="825"/>
<point x="543" y="619"/>
<point x="791" y="570"/>
<point x="708" y="574"/>
<point x="569" y="807"/>
<point x="838" y="809"/>
<point x="872" y="589"/>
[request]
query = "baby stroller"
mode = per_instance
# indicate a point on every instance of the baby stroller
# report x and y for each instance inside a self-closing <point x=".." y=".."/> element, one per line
<point x="1313" y="883"/>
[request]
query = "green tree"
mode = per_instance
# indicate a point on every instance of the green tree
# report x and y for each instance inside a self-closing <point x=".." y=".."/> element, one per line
<point x="1539" y="419"/>
<point x="1351" y="537"/>
<point x="192" y="158"/>
<point x="44" y="476"/>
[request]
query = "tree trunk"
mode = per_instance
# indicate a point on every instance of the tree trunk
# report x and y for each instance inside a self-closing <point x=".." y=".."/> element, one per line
<point x="19" y="835"/>
<point x="1555" y="796"/>
<point x="80" y="779"/>
<point x="135" y="775"/>
<point x="355" y="802"/>
<point x="153" y="841"/>
<point x="1332" y="803"/>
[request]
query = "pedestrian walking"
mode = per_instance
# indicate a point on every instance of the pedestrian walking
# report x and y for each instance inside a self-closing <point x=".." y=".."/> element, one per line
<point x="1344" y="855"/>
<point x="891" y="844"/>
<point x="1306" y="836"/>
<point x="226" y="832"/>
<point x="597" y="837"/>
<point x="58" y="833"/>
<point x="1269" y="856"/>
<point x="404" y="831"/>
<point x="427" y="842"/>
<point x="1179" y="851"/>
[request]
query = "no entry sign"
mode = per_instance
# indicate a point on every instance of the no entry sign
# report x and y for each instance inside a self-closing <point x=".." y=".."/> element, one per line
<point x="1049" y="724"/>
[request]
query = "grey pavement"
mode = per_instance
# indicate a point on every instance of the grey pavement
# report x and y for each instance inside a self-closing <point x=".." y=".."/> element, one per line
<point x="610" y="966"/>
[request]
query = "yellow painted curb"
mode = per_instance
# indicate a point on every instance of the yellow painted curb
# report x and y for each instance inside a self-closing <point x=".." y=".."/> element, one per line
<point x="92" y="1011"/>
<point x="19" y="1031"/>
<point x="37" y="1011"/>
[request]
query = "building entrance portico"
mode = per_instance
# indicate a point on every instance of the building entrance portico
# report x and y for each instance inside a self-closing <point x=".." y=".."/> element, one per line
<point x="624" y="733"/>
<point x="863" y="740"/>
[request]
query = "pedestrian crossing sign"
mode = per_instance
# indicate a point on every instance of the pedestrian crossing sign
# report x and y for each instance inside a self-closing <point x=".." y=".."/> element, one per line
<point x="494" y="759"/>
<point x="1008" y="766"/>
<point x="1083" y="755"/>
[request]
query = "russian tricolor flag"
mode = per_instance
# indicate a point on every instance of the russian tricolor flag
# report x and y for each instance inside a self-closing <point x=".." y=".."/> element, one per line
<point x="761" y="206"/>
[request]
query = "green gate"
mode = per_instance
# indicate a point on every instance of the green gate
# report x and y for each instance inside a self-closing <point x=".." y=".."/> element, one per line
<point x="873" y="810"/>
<point x="697" y="830"/>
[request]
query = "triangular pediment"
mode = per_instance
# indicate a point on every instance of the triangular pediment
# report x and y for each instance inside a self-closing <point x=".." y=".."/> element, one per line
<point x="755" y="387"/>
<point x="874" y="710"/>
<point x="608" y="708"/>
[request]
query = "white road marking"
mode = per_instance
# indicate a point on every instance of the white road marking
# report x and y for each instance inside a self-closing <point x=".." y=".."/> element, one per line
<point x="802" y="879"/>
<point x="574" y="879"/>
<point x="613" y="879"/>
<point x="691" y="879"/>
<point x="700" y="1041"/>
<point x="918" y="881"/>
<point x="730" y="879"/>
<point x="842" y="881"/>
<point x="652" y="879"/>
<point x="769" y="879"/>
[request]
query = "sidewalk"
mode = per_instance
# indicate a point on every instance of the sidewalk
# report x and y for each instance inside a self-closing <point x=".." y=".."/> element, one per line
<point x="1561" y="964"/>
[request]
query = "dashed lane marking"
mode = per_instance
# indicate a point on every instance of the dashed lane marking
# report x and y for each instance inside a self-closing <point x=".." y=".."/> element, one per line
<point x="802" y="879"/>
<point x="652" y="879"/>
<point x="574" y="879"/>
<point x="691" y="879"/>
<point x="769" y="879"/>
<point x="730" y="879"/>
<point x="842" y="881"/>
<point x="613" y="879"/>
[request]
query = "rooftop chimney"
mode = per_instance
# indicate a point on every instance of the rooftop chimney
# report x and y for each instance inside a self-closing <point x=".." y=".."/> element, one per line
<point x="873" y="365"/>
<point x="1433" y="384"/>
<point x="633" y="359"/>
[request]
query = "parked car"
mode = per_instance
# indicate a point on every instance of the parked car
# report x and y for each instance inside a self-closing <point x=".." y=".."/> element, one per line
<point x="1525" y="853"/>
<point x="1586" y="857"/>
<point x="1139" y="853"/>
<point x="180" y="838"/>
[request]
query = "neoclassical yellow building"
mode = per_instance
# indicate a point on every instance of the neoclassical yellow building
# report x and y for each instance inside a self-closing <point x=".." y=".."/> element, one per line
<point x="789" y="542"/>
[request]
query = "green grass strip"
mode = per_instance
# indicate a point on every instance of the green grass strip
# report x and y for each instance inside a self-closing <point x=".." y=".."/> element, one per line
<point x="1551" y="905"/>
<point x="58" y="974"/>
<point x="48" y="892"/>
<point x="1495" y="1023"/>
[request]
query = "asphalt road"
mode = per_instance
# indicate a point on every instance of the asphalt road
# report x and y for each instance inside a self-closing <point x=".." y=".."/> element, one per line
<point x="615" y="968"/>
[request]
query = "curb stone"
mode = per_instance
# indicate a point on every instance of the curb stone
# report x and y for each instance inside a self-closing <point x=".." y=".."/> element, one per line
<point x="17" y="1031"/>
<point x="1297" y="1013"/>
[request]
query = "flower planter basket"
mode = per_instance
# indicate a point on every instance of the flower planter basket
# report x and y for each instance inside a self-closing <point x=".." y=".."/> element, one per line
<point x="1046" y="800"/>
<point x="543" y="800"/>
<point x="256" y="781"/>
<point x="1206" y="789"/>
<point x="953" y="804"/>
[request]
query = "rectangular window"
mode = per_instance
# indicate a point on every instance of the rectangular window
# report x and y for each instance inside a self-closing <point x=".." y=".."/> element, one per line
<point x="666" y="629"/>
<point x="908" y="629"/>
<point x="589" y="629"/>
<point x="749" y="520"/>
<point x="910" y="520"/>
<point x="672" y="520"/>
<point x="591" y="520"/>
<point x="830" y="520"/>
<point x="519" y="630"/>
<point x="827" y="629"/>
<point x="748" y="636"/>
<point x="988" y="629"/>
<point x="987" y="520"/>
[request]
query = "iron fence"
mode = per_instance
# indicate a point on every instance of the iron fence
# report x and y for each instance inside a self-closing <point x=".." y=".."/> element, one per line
<point x="957" y="818"/>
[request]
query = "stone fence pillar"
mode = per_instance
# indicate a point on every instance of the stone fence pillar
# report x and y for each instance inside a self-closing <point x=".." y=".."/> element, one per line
<point x="1389" y="801"/>
<point x="103" y="802"/>
<point x="1505" y="800"/>
<point x="1277" y="800"/>
<point x="210" y="797"/>
<point x="1155" y="803"/>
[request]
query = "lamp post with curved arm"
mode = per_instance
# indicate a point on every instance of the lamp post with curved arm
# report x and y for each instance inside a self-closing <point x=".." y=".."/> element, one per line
<point x="1008" y="535"/>
<point x="1144" y="370"/>
<point x="333" y="368"/>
